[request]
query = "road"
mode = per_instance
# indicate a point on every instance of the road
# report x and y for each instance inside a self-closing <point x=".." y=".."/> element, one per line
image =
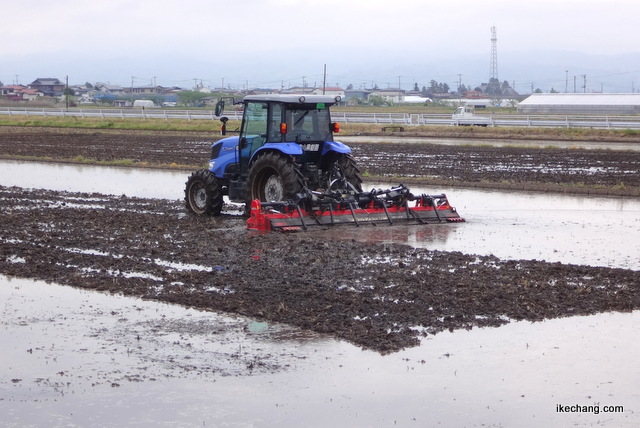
<point x="392" y="119"/>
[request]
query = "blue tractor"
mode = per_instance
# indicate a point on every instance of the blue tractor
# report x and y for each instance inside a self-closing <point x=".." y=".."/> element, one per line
<point x="285" y="148"/>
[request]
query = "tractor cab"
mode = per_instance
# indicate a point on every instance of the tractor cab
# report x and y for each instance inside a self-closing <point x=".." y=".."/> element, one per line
<point x="303" y="120"/>
<point x="296" y="126"/>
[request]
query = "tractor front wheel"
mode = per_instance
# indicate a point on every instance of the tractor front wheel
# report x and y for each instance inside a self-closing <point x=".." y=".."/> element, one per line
<point x="274" y="177"/>
<point x="202" y="194"/>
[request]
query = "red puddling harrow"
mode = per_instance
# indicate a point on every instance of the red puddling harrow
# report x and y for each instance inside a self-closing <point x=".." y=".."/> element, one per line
<point x="334" y="208"/>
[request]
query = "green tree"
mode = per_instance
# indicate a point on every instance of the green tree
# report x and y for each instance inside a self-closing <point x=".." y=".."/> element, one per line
<point x="493" y="88"/>
<point x="377" y="101"/>
<point x="191" y="98"/>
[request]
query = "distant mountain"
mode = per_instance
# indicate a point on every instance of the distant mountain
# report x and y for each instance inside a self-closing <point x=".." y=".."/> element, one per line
<point x="545" y="70"/>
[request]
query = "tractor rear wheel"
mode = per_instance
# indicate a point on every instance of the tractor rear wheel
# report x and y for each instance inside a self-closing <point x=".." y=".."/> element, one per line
<point x="341" y="173"/>
<point x="202" y="194"/>
<point x="273" y="177"/>
<point x="351" y="171"/>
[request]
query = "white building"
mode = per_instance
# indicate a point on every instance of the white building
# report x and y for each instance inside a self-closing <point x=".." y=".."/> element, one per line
<point x="610" y="104"/>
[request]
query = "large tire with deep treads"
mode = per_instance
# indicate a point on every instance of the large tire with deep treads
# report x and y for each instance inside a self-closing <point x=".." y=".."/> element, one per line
<point x="337" y="167"/>
<point x="351" y="171"/>
<point x="273" y="177"/>
<point x="202" y="194"/>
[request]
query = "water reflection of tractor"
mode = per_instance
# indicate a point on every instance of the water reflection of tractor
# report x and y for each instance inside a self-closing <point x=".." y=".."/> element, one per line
<point x="291" y="174"/>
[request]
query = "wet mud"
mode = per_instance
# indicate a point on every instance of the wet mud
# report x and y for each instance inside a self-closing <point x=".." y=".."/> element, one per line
<point x="379" y="296"/>
<point x="575" y="170"/>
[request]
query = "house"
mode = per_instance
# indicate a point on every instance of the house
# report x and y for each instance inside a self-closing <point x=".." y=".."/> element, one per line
<point x="49" y="86"/>
<point x="11" y="90"/>
<point x="31" y="94"/>
<point x="145" y="90"/>
<point x="262" y="91"/>
<point x="390" y="95"/>
<point x="331" y="91"/>
<point x="108" y="88"/>
<point x="301" y="90"/>
<point x="356" y="96"/>
<point x="19" y="93"/>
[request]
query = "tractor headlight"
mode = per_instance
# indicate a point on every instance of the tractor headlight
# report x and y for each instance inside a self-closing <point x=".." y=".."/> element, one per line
<point x="211" y="165"/>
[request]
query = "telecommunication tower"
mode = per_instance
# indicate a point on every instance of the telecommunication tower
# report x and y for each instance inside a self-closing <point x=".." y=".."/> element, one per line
<point x="494" y="54"/>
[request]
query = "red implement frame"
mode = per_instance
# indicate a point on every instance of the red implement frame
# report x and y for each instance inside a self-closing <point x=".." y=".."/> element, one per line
<point x="287" y="216"/>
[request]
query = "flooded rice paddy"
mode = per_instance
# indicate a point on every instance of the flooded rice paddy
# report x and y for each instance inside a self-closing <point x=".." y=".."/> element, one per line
<point x="578" y="229"/>
<point x="76" y="358"/>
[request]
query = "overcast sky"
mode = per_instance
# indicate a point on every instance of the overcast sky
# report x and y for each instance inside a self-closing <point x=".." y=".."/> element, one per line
<point x="273" y="42"/>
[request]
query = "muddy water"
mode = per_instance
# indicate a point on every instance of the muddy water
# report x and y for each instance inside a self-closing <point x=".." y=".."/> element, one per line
<point x="492" y="141"/>
<point x="78" y="358"/>
<point x="597" y="231"/>
<point x="138" y="182"/>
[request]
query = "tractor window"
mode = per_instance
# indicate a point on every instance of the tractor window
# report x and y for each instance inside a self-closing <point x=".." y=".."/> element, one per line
<point x="255" y="120"/>
<point x="274" y="123"/>
<point x="308" y="123"/>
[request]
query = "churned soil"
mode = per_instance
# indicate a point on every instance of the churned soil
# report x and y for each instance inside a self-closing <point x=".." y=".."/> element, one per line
<point x="383" y="297"/>
<point x="574" y="170"/>
<point x="379" y="296"/>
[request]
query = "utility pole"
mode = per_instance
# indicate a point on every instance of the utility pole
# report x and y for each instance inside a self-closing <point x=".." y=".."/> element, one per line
<point x="324" y="79"/>
<point x="584" y="85"/>
<point x="566" y="81"/>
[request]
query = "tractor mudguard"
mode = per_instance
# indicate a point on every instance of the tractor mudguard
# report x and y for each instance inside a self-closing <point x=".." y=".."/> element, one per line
<point x="292" y="149"/>
<point x="335" y="146"/>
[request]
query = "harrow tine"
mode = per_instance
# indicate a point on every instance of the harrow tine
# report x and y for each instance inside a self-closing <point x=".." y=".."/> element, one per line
<point x="304" y="225"/>
<point x="435" y="207"/>
<point x="386" y="211"/>
<point x="353" y="213"/>
<point x="413" y="214"/>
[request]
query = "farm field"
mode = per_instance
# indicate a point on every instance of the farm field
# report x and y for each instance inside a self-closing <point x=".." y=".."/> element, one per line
<point x="291" y="298"/>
